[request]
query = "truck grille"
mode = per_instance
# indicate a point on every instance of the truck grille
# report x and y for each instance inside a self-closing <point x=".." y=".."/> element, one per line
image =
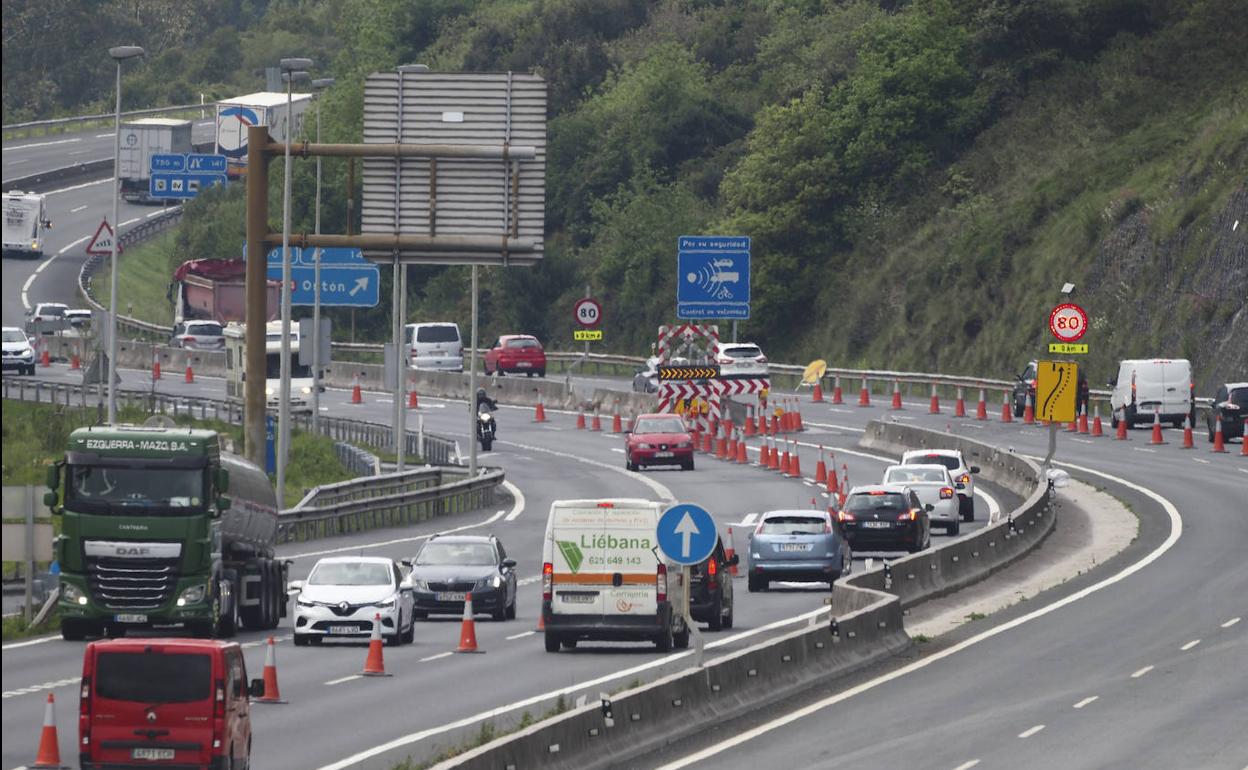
<point x="132" y="584"/>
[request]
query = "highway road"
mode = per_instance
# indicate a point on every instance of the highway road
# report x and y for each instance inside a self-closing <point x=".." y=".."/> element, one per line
<point x="544" y="462"/>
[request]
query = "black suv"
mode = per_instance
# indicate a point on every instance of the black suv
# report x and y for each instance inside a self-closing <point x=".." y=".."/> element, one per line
<point x="1025" y="386"/>
<point x="449" y="567"/>
<point x="710" y="589"/>
<point x="1231" y="404"/>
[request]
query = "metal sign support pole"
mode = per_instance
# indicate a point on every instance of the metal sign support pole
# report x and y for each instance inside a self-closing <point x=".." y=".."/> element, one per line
<point x="29" y="567"/>
<point x="400" y="360"/>
<point x="734" y="331"/>
<point x="472" y="383"/>
<point x="316" y="293"/>
<point x="397" y="357"/>
<point x="1048" y="459"/>
<point x="699" y="647"/>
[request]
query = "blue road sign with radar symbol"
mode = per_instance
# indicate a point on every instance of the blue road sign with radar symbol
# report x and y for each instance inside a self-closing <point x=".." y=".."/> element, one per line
<point x="686" y="533"/>
<point x="713" y="276"/>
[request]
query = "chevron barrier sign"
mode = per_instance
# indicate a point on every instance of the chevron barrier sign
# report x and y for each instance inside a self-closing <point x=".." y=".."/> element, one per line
<point x="707" y="372"/>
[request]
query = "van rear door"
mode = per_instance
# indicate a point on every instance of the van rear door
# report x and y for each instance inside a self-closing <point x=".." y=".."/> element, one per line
<point x="604" y="561"/>
<point x="151" y="705"/>
<point x="577" y="581"/>
<point x="1176" y="395"/>
<point x="630" y="562"/>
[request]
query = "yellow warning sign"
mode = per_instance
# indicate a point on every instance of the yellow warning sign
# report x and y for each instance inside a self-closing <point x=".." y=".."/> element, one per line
<point x="587" y="335"/>
<point x="1056" y="390"/>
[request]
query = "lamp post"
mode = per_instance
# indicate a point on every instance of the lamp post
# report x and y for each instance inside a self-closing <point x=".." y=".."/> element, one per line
<point x="119" y="54"/>
<point x="292" y="70"/>
<point x="318" y="86"/>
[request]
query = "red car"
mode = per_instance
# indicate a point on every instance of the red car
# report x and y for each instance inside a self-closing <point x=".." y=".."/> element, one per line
<point x="658" y="439"/>
<point x="516" y="354"/>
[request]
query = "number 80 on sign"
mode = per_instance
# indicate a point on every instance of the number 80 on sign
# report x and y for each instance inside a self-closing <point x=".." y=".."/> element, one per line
<point x="1068" y="322"/>
<point x="587" y="312"/>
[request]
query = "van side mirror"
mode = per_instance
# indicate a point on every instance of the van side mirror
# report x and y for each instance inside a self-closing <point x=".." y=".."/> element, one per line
<point x="256" y="688"/>
<point x="509" y="563"/>
<point x="223" y="480"/>
<point x="294" y="586"/>
<point x="974" y="469"/>
<point x="406" y="562"/>
<point x="734" y="561"/>
<point x="50" y="499"/>
<point x="929" y="507"/>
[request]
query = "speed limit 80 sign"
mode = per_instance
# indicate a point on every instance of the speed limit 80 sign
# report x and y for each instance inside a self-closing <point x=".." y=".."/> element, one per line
<point x="1068" y="322"/>
<point x="588" y="312"/>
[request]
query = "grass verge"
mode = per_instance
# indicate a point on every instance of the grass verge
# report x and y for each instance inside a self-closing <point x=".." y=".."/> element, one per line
<point x="142" y="279"/>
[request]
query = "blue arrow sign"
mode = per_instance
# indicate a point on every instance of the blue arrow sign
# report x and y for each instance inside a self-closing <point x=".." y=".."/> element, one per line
<point x="341" y="285"/>
<point x="167" y="162"/>
<point x="205" y="164"/>
<point x="181" y="185"/>
<point x="686" y="533"/>
<point x="713" y="276"/>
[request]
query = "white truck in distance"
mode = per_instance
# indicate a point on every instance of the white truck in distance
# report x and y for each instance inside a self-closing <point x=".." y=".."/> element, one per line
<point x="25" y="219"/>
<point x="140" y="140"/>
<point x="263" y="108"/>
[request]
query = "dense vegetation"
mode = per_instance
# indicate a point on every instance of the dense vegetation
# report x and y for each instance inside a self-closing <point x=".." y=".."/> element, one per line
<point x="918" y="177"/>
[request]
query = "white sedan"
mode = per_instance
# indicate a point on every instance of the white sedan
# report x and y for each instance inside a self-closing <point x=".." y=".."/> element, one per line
<point x="934" y="486"/>
<point x="963" y="475"/>
<point x="344" y="595"/>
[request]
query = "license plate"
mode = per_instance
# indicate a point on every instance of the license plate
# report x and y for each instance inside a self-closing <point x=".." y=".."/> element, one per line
<point x="524" y="364"/>
<point x="145" y="753"/>
<point x="663" y="454"/>
<point x="795" y="547"/>
<point x="344" y="629"/>
<point x="577" y="598"/>
<point x="877" y="524"/>
<point x="130" y="618"/>
<point x="451" y="597"/>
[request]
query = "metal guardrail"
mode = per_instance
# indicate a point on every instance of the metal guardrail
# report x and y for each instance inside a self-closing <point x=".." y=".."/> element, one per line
<point x="359" y="461"/>
<point x="81" y="119"/>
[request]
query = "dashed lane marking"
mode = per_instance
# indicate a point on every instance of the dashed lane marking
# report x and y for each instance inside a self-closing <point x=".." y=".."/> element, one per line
<point x="129" y="222"/>
<point x="1085" y="701"/>
<point x="332" y="682"/>
<point x="520" y="635"/>
<point x="34" y="688"/>
<point x="1230" y="622"/>
<point x="80" y="208"/>
<point x="436" y="657"/>
<point x="1190" y="645"/>
<point x="967" y="765"/>
<point x="1030" y="731"/>
<point x="1141" y="672"/>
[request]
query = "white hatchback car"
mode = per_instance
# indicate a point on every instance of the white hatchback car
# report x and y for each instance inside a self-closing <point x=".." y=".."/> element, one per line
<point x="18" y="354"/>
<point x="344" y="595"/>
<point x="934" y="486"/>
<point x="741" y="358"/>
<point x="963" y="475"/>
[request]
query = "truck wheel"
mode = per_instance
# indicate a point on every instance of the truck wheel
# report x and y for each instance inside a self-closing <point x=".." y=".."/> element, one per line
<point x="74" y="630"/>
<point x="227" y="627"/>
<point x="257" y="615"/>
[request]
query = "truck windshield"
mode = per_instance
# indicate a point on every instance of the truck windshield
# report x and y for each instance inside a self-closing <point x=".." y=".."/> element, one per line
<point x="145" y="677"/>
<point x="109" y="489"/>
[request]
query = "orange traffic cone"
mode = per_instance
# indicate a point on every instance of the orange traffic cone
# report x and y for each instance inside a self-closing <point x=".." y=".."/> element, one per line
<point x="935" y="407"/>
<point x="45" y="359"/>
<point x="49" y="747"/>
<point x="1074" y="425"/>
<point x="1083" y="419"/>
<point x="773" y="460"/>
<point x="596" y="423"/>
<point x="155" y="366"/>
<point x="1007" y="414"/>
<point x="817" y="396"/>
<point x="468" y="630"/>
<point x="796" y="468"/>
<point x="775" y="425"/>
<point x="1187" y="433"/>
<point x="821" y="469"/>
<point x="864" y="395"/>
<point x="580" y="421"/>
<point x="356" y="396"/>
<point x="763" y="458"/>
<point x="749" y="427"/>
<point x="271" y="694"/>
<point x="1121" y="434"/>
<point x="1098" y="430"/>
<point x="1218" y="442"/>
<point x="539" y="414"/>
<point x="959" y="406"/>
<point x="785" y="462"/>
<point x="74" y="361"/>
<point x="1243" y="444"/>
<point x="833" y="485"/>
<point x="981" y="409"/>
<point x="837" y="396"/>
<point x="412" y="401"/>
<point x="797" y="419"/>
<point x="617" y="425"/>
<point x="541" y="622"/>
<point x="896" y="395"/>
<point x="373" y="664"/>
<point x="721" y="448"/>
<point x="1029" y="412"/>
<point x="190" y="374"/>
<point x="729" y="552"/>
<point x="743" y="457"/>
<point x="1156" y="438"/>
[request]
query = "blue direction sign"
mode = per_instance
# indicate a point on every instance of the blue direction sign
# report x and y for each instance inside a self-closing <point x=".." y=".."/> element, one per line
<point x="347" y="279"/>
<point x="183" y="176"/>
<point x="686" y="533"/>
<point x="205" y="164"/>
<point x="713" y="276"/>
<point x="168" y="163"/>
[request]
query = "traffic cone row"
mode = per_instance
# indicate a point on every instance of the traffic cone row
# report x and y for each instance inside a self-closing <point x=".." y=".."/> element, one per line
<point x="271" y="693"/>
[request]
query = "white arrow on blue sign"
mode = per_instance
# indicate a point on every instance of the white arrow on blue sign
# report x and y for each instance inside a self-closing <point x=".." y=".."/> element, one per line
<point x="686" y="533"/>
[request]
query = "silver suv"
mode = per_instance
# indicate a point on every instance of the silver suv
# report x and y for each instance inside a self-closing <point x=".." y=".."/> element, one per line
<point x="198" y="335"/>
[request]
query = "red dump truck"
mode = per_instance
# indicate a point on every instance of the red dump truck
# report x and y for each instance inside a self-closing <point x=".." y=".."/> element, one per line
<point x="216" y="289"/>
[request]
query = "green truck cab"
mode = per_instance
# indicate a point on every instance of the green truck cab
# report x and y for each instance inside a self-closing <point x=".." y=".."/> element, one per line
<point x="161" y="528"/>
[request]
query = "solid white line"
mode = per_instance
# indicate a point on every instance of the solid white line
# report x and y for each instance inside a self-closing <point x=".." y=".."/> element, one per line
<point x="994" y="508"/>
<point x="130" y="221"/>
<point x="80" y="208"/>
<point x="520" y="636"/>
<point x="1176" y="531"/>
<point x="435" y="657"/>
<point x="1190" y="645"/>
<point x="1030" y="731"/>
<point x="1230" y="622"/>
<point x="1141" y="672"/>
<point x="967" y="765"/>
<point x="517" y="507"/>
<point x="30" y="642"/>
<point x="153" y="214"/>
<point x="43" y="266"/>
<point x="42" y="144"/>
<point x="102" y="136"/>
<point x="665" y="494"/>
<point x="617" y="449"/>
<point x="84" y="185"/>
<point x="1085" y="701"/>
<point x="332" y="682"/>
<point x="395" y="541"/>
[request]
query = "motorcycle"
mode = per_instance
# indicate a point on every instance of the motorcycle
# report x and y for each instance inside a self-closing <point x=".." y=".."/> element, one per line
<point x="486" y="429"/>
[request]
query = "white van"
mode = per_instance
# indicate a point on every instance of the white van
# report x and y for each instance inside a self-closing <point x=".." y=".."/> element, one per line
<point x="236" y="363"/>
<point x="434" y="346"/>
<point x="1146" y="386"/>
<point x="604" y="577"/>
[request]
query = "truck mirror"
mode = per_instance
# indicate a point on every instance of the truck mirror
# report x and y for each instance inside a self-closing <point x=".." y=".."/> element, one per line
<point x="256" y="688"/>
<point x="223" y="504"/>
<point x="50" y="499"/>
<point x="223" y="480"/>
<point x="52" y="478"/>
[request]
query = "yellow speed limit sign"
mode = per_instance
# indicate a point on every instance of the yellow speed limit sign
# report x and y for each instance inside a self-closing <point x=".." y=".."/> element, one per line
<point x="1057" y="390"/>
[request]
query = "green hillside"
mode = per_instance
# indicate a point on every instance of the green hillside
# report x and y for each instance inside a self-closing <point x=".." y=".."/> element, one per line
<point x="919" y="178"/>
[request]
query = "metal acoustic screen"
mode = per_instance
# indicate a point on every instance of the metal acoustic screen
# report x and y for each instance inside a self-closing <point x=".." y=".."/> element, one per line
<point x="464" y="204"/>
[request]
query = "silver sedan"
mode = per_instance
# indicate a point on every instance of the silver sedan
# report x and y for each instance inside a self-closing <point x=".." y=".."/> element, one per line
<point x="934" y="486"/>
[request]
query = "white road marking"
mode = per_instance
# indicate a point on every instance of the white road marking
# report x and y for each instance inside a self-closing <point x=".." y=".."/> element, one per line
<point x="994" y="508"/>
<point x="517" y="507"/>
<point x="1176" y="531"/>
<point x="332" y="682"/>
<point x="663" y="492"/>
<point x="383" y="543"/>
<point x="1141" y="672"/>
<point x="1142" y="449"/>
<point x="435" y="657"/>
<point x="80" y="208"/>
<point x="1190" y="645"/>
<point x="1197" y="459"/>
<point x="1085" y="701"/>
<point x="130" y="221"/>
<point x="520" y="635"/>
<point x="529" y="580"/>
<point x="967" y="765"/>
<point x="31" y="642"/>
<point x="1030" y="731"/>
<point x="42" y="144"/>
<point x="1230" y="622"/>
<point x="34" y="688"/>
<point x="617" y="450"/>
<point x="105" y="136"/>
<point x="153" y="214"/>
<point x="84" y="185"/>
<point x="749" y="519"/>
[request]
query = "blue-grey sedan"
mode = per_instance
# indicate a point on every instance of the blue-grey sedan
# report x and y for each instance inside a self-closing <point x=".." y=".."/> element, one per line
<point x="797" y="545"/>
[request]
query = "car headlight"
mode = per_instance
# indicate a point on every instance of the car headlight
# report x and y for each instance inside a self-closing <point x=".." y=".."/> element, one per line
<point x="193" y="595"/>
<point x="644" y="445"/>
<point x="386" y="605"/>
<point x="268" y="392"/>
<point x="684" y="445"/>
<point x="420" y="585"/>
<point x="34" y="244"/>
<point x="304" y="602"/>
<point x="306" y="390"/>
<point x="73" y="594"/>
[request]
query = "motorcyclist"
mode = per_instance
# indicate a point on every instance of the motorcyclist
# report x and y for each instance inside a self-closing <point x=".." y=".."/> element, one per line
<point x="483" y="399"/>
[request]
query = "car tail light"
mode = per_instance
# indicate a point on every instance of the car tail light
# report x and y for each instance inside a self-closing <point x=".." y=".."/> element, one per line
<point x="84" y="697"/>
<point x="712" y="574"/>
<point x="606" y="505"/>
<point x="218" y="705"/>
<point x="877" y="492"/>
<point x="965" y="478"/>
<point x="188" y="339"/>
<point x="548" y="581"/>
<point x="909" y="515"/>
<point x="723" y="359"/>
<point x="946" y="493"/>
<point x="845" y="516"/>
<point x="660" y="582"/>
<point x="761" y="359"/>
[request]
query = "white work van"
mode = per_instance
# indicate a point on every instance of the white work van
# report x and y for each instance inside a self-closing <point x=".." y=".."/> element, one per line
<point x="605" y="579"/>
<point x="1145" y="387"/>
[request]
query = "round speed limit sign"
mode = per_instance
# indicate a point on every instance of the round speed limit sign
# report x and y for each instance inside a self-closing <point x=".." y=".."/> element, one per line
<point x="1068" y="322"/>
<point x="588" y="312"/>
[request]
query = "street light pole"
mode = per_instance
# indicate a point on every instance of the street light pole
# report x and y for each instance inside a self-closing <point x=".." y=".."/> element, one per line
<point x="318" y="85"/>
<point x="119" y="54"/>
<point x="292" y="70"/>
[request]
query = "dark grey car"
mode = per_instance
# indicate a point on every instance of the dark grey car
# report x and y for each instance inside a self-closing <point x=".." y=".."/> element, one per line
<point x="797" y="545"/>
<point x="449" y="567"/>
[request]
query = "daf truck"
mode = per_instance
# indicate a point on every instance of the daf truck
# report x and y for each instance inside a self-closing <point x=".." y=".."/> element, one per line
<point x="140" y="140"/>
<point x="162" y="528"/>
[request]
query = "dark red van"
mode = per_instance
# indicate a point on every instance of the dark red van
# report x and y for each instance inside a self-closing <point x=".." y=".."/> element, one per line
<point x="165" y="703"/>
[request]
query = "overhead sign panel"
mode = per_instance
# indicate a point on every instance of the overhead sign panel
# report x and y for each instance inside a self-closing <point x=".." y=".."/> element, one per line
<point x="347" y="279"/>
<point x="179" y="177"/>
<point x="713" y="276"/>
<point x="481" y="198"/>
